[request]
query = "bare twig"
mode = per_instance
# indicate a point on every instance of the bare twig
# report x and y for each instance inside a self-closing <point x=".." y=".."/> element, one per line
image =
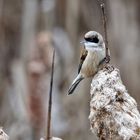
<point x="50" y="99"/>
<point x="104" y="19"/>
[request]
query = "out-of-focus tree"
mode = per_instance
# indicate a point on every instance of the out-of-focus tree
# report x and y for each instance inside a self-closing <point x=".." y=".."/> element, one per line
<point x="124" y="41"/>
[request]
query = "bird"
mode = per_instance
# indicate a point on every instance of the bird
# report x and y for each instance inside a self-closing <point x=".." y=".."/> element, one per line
<point x="93" y="54"/>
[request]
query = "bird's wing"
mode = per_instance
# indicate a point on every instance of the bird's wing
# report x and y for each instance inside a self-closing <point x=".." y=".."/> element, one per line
<point x="82" y="58"/>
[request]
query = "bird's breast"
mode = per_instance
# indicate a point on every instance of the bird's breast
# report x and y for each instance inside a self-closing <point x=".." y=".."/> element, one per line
<point x="90" y="65"/>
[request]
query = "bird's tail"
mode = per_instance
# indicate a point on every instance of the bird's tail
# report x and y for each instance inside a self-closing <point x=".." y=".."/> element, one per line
<point x="75" y="83"/>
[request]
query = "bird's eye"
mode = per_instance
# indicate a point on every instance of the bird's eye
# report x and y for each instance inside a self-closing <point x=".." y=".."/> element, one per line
<point x="94" y="39"/>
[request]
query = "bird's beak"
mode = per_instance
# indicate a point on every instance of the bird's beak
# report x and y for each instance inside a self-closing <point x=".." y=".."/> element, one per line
<point x="88" y="43"/>
<point x="91" y="46"/>
<point x="83" y="42"/>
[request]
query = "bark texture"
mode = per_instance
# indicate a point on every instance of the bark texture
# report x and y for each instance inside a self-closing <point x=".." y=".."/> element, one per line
<point x="113" y="112"/>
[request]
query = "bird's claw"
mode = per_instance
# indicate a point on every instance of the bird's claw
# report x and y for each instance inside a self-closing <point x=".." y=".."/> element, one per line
<point x="110" y="68"/>
<point x="107" y="59"/>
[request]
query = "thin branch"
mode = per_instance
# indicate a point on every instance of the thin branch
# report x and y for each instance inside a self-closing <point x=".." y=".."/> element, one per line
<point x="104" y="19"/>
<point x="50" y="99"/>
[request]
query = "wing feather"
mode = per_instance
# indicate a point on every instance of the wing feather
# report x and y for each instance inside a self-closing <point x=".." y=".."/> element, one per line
<point x="82" y="58"/>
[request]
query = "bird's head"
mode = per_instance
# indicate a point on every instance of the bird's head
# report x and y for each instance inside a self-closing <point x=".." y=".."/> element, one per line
<point x="93" y="41"/>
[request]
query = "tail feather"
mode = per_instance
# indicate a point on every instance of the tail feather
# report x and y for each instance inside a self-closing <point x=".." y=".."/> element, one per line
<point x="78" y="79"/>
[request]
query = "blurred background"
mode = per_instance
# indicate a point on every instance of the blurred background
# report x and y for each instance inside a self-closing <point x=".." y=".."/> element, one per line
<point x="29" y="30"/>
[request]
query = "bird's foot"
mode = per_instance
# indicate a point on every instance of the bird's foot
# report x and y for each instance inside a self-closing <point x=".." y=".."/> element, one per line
<point x="107" y="59"/>
<point x="104" y="63"/>
<point x="109" y="68"/>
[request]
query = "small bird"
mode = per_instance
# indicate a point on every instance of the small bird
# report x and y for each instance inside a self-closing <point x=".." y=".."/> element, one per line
<point x="92" y="56"/>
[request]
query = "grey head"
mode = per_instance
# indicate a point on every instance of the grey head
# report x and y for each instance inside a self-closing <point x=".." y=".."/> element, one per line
<point x="93" y="40"/>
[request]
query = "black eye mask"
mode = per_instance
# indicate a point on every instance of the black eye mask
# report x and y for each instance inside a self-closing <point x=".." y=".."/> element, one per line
<point x="94" y="39"/>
